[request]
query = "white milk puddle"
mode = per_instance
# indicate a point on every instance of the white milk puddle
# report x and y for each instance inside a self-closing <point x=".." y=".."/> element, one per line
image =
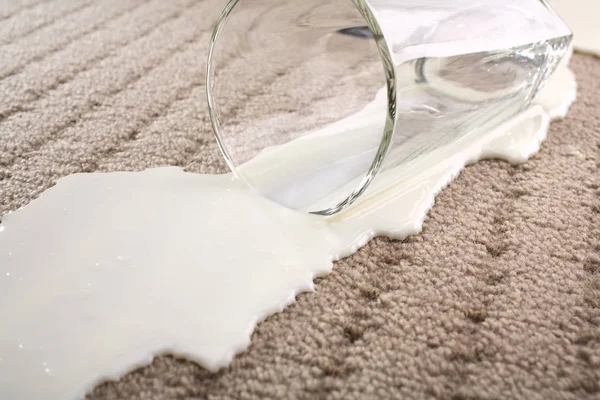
<point x="104" y="271"/>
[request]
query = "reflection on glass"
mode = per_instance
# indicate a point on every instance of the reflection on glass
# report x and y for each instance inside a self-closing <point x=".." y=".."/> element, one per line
<point x="311" y="100"/>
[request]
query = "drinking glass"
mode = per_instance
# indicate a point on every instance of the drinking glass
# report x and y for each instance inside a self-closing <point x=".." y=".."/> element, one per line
<point x="313" y="100"/>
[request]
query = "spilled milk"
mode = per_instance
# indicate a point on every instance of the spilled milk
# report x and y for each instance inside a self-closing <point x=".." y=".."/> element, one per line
<point x="106" y="270"/>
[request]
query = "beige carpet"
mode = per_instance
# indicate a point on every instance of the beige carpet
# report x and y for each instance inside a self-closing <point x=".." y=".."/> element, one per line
<point x="498" y="298"/>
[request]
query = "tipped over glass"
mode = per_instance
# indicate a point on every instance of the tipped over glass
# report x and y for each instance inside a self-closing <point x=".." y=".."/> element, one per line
<point x="312" y="100"/>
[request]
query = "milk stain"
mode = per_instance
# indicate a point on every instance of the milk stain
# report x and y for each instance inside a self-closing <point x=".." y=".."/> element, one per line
<point x="129" y="265"/>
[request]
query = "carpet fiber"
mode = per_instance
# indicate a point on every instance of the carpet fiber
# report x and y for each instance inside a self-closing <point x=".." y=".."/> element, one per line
<point x="497" y="298"/>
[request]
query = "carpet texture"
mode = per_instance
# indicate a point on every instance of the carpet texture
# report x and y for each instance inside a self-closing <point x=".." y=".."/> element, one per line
<point x="497" y="298"/>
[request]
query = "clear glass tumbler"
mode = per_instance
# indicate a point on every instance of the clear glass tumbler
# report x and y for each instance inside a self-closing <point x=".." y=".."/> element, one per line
<point x="311" y="100"/>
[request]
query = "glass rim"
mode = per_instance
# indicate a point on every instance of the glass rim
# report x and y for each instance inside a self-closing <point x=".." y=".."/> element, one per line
<point x="390" y="118"/>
